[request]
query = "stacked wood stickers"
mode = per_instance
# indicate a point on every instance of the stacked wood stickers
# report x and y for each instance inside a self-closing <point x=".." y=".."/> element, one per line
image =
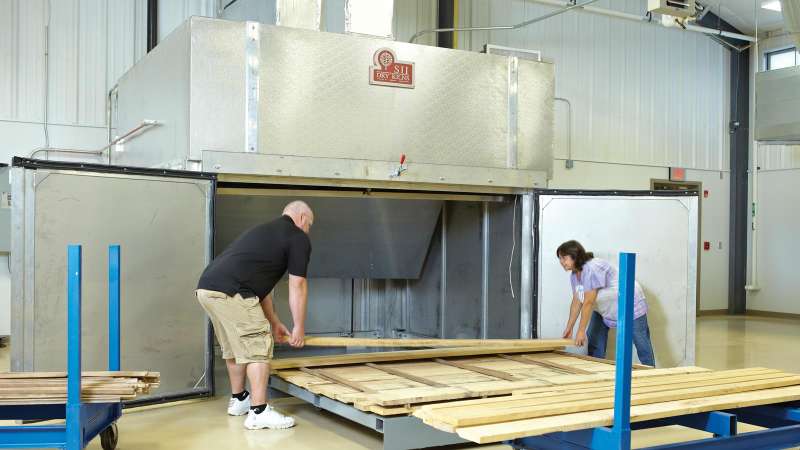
<point x="36" y="388"/>
<point x="399" y="387"/>
<point x="531" y="412"/>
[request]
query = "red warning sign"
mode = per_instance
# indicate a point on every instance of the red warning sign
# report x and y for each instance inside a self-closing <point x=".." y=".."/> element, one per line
<point x="388" y="71"/>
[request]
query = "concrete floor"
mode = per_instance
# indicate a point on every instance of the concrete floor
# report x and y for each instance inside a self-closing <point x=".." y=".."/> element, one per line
<point x="722" y="343"/>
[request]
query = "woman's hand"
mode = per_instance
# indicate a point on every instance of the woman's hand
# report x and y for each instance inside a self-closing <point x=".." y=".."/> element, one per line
<point x="580" y="339"/>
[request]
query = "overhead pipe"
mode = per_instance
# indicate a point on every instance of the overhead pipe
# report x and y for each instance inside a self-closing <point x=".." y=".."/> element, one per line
<point x="753" y="285"/>
<point x="569" y="161"/>
<point x="146" y="124"/>
<point x="566" y="6"/>
<point x="109" y="114"/>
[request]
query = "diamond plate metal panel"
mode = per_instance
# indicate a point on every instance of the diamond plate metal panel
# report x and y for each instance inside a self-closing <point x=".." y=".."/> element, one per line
<point x="316" y="101"/>
<point x="536" y="88"/>
<point x="217" y="105"/>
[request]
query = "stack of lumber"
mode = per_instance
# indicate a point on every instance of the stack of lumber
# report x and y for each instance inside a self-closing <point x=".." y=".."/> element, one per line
<point x="536" y="411"/>
<point x="36" y="388"/>
<point x="387" y="387"/>
<point x="492" y="393"/>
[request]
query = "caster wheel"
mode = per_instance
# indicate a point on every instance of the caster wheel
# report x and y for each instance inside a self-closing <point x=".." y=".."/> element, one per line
<point x="109" y="437"/>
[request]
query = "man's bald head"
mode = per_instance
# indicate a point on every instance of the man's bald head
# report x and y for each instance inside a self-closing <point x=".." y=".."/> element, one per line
<point x="301" y="214"/>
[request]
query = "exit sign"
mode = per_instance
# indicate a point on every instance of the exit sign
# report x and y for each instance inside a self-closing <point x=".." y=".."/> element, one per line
<point x="677" y="174"/>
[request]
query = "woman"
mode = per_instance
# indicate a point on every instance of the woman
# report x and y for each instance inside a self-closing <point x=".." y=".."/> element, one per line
<point x="594" y="295"/>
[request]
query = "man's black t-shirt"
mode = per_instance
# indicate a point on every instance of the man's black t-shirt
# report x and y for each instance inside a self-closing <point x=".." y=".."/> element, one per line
<point x="254" y="263"/>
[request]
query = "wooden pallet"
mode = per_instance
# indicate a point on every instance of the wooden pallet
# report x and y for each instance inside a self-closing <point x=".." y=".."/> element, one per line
<point x="400" y="387"/>
<point x="30" y="388"/>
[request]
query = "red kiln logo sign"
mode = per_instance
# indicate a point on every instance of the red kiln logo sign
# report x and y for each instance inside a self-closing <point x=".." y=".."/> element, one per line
<point x="388" y="71"/>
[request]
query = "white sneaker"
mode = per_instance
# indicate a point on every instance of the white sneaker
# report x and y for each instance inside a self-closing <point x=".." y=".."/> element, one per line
<point x="238" y="407"/>
<point x="269" y="418"/>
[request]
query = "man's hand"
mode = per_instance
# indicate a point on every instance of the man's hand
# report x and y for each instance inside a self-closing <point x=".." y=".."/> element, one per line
<point x="580" y="339"/>
<point x="297" y="339"/>
<point x="280" y="333"/>
<point x="567" y="333"/>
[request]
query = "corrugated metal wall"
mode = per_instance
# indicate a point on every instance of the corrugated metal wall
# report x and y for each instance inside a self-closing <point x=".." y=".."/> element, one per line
<point x="172" y="13"/>
<point x="641" y="93"/>
<point x="91" y="43"/>
<point x="411" y="16"/>
<point x="779" y="157"/>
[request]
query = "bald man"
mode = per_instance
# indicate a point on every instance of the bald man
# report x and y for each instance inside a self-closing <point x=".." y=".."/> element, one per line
<point x="236" y="292"/>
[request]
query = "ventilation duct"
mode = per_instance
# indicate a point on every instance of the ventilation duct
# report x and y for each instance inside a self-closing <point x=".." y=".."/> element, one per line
<point x="371" y="17"/>
<point x="298" y="13"/>
<point x="367" y="17"/>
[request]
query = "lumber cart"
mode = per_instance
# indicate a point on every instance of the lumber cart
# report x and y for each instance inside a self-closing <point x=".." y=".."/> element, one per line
<point x="83" y="421"/>
<point x="781" y="420"/>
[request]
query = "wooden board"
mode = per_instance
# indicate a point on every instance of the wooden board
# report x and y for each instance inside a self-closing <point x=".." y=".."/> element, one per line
<point x="26" y="388"/>
<point x="406" y="375"/>
<point x="530" y="344"/>
<point x="477" y="369"/>
<point x="485" y="434"/>
<point x="544" y="363"/>
<point x="107" y="374"/>
<point x="542" y="406"/>
<point x="358" y="358"/>
<point x="601" y="360"/>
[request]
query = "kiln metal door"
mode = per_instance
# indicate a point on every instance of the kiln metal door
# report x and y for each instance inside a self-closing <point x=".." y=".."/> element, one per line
<point x="660" y="229"/>
<point x="163" y="226"/>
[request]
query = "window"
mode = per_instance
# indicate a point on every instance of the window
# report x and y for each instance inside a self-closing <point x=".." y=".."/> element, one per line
<point x="779" y="59"/>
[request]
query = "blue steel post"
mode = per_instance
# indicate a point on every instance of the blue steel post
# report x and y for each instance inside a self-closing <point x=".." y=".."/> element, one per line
<point x="114" y="270"/>
<point x="74" y="423"/>
<point x="622" y="388"/>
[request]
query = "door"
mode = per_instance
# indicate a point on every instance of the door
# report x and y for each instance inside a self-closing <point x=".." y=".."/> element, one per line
<point x="162" y="220"/>
<point x="661" y="228"/>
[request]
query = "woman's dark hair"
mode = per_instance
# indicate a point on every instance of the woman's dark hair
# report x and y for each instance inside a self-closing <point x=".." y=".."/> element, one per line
<point x="576" y="251"/>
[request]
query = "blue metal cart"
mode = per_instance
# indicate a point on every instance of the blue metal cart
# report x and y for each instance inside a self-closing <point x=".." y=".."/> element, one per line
<point x="84" y="421"/>
<point x="781" y="420"/>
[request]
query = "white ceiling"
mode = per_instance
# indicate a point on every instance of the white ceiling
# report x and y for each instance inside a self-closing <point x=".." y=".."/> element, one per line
<point x="741" y="14"/>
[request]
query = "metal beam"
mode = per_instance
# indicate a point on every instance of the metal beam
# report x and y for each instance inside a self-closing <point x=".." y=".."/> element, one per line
<point x="739" y="130"/>
<point x="526" y="269"/>
<point x="152" y="24"/>
<point x="485" y="270"/>
<point x="739" y="165"/>
<point x="446" y="19"/>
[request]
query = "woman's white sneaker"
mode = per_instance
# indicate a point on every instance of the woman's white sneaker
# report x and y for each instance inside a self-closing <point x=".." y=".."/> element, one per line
<point x="269" y="418"/>
<point x="238" y="407"/>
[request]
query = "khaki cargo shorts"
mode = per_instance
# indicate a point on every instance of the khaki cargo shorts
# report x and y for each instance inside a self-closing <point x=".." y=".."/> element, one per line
<point x="239" y="323"/>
